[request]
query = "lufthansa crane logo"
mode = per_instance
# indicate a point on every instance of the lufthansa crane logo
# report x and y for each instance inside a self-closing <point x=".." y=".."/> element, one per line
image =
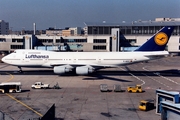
<point x="161" y="38"/>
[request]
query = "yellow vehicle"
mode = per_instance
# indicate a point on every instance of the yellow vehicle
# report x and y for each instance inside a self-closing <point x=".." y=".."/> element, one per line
<point x="146" y="105"/>
<point x="136" y="88"/>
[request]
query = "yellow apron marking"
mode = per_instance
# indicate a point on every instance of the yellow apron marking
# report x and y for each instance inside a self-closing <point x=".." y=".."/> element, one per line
<point x="10" y="78"/>
<point x="24" y="105"/>
<point x="20" y="101"/>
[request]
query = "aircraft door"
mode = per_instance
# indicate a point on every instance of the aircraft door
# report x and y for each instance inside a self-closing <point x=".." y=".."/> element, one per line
<point x="45" y="60"/>
<point x="99" y="60"/>
<point x="74" y="59"/>
<point x="23" y="59"/>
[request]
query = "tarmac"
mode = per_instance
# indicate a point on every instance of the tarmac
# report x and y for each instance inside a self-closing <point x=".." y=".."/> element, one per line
<point x="80" y="97"/>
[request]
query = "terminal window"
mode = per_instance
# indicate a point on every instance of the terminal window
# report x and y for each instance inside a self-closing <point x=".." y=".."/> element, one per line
<point x="2" y="40"/>
<point x="132" y="40"/>
<point x="99" y="47"/>
<point x="17" y="40"/>
<point x="99" y="40"/>
<point x="70" y="40"/>
<point x="16" y="46"/>
<point x="47" y="40"/>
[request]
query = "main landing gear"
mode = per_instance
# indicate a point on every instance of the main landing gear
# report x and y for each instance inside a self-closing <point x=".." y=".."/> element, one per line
<point x="20" y="70"/>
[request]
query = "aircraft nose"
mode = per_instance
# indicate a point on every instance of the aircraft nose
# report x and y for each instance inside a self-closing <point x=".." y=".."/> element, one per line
<point x="3" y="59"/>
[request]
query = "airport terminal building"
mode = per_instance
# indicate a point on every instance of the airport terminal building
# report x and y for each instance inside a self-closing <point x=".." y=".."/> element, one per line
<point x="95" y="37"/>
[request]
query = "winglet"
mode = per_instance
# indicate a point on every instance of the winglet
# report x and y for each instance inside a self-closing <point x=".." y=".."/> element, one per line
<point x="158" y="41"/>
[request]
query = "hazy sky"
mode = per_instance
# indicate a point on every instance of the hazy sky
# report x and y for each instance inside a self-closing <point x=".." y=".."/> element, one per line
<point x="21" y="14"/>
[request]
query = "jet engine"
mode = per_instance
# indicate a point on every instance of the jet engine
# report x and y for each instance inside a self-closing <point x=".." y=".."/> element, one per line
<point x="85" y="70"/>
<point x="62" y="69"/>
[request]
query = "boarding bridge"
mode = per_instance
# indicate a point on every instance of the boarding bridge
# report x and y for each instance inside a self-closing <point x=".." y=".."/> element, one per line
<point x="170" y="111"/>
<point x="162" y="95"/>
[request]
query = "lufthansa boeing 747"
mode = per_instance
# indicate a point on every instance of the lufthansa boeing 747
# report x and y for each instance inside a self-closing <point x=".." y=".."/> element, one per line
<point x="84" y="63"/>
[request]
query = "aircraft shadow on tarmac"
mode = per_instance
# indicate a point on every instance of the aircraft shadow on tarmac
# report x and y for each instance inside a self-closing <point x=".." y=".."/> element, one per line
<point x="99" y="75"/>
<point x="102" y="77"/>
<point x="170" y="72"/>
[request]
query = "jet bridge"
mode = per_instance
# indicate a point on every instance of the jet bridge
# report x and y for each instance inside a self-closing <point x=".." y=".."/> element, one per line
<point x="167" y="96"/>
<point x="170" y="111"/>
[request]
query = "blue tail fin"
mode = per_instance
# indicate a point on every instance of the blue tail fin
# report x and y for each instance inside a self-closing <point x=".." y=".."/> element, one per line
<point x="158" y="41"/>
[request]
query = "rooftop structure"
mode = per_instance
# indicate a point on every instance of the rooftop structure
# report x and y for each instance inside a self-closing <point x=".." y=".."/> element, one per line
<point x="4" y="27"/>
<point x="133" y="28"/>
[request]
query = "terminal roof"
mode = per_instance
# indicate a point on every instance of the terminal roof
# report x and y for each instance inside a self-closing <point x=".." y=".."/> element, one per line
<point x="137" y="23"/>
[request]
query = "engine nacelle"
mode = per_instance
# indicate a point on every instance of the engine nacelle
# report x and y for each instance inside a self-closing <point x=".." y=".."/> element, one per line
<point x="62" y="69"/>
<point x="84" y="70"/>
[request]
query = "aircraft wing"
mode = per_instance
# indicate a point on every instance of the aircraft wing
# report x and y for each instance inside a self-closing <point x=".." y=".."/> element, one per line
<point x="96" y="66"/>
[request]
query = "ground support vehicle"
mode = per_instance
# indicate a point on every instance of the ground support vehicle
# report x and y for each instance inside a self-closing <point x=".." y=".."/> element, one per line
<point x="56" y="86"/>
<point x="146" y="105"/>
<point x="117" y="88"/>
<point x="40" y="85"/>
<point x="104" y="88"/>
<point x="9" y="87"/>
<point x="134" y="88"/>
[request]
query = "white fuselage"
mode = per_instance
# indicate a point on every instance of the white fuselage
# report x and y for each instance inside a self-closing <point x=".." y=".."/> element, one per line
<point x="37" y="58"/>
